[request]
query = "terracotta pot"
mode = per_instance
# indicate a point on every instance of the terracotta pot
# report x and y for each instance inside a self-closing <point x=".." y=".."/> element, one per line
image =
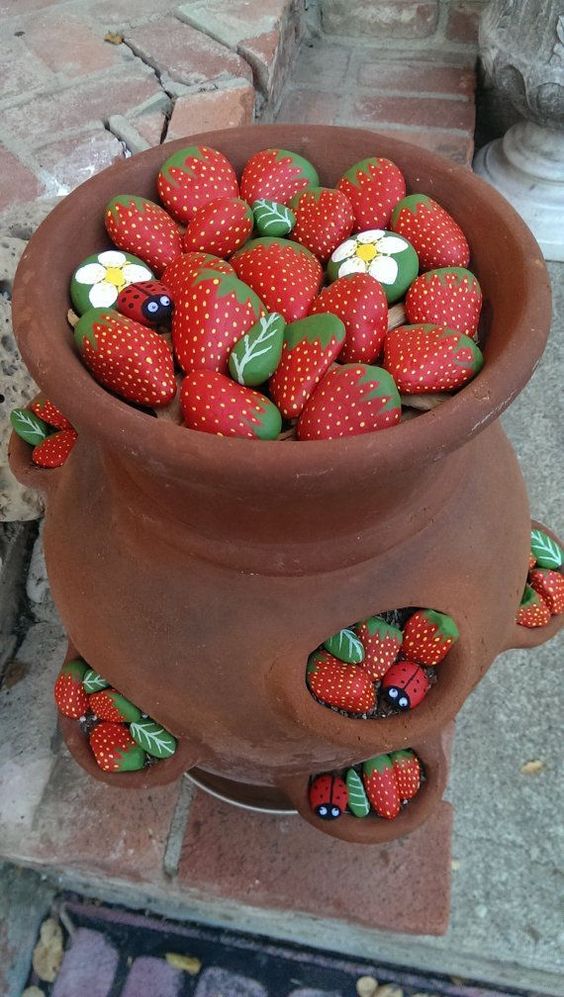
<point x="197" y="573"/>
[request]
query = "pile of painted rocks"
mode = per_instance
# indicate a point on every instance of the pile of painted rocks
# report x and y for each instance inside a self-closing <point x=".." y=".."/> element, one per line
<point x="379" y="786"/>
<point x="544" y="592"/>
<point x="277" y="295"/>
<point x="374" y="668"/>
<point x="122" y="738"/>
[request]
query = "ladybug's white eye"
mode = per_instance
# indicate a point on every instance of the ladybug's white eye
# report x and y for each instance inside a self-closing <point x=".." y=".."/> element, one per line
<point x="335" y="812"/>
<point x="393" y="693"/>
<point x="322" y="811"/>
<point x="403" y="702"/>
<point x="165" y="302"/>
<point x="152" y="306"/>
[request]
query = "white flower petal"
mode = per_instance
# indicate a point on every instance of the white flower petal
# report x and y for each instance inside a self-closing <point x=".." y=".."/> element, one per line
<point x="111" y="258"/>
<point x="384" y="269"/>
<point x="133" y="273"/>
<point x="91" y="273"/>
<point x="371" y="235"/>
<point x="353" y="265"/>
<point x="391" y="244"/>
<point x="103" y="295"/>
<point x="343" y="251"/>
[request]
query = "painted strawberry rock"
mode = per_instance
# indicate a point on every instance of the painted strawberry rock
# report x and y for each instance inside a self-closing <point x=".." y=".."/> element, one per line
<point x="28" y="426"/>
<point x="276" y="174"/>
<point x="381" y="642"/>
<point x="532" y="561"/>
<point x="533" y="611"/>
<point x="361" y="304"/>
<point x="381" y="787"/>
<point x="54" y="449"/>
<point x="255" y="357"/>
<point x="407" y="770"/>
<point x="49" y="413"/>
<point x="180" y="274"/>
<point x="215" y="404"/>
<point x="345" y="646"/>
<point x="214" y="312"/>
<point x="114" y="748"/>
<point x="192" y="177"/>
<point x="437" y="239"/>
<point x="328" y="796"/>
<point x="430" y="358"/>
<point x="141" y="227"/>
<point x="324" y="218"/>
<point x="272" y="218"/>
<point x="550" y="586"/>
<point x="150" y="302"/>
<point x="450" y="297"/>
<point x="108" y="704"/>
<point x="428" y="637"/>
<point x="126" y="357"/>
<point x="358" y="801"/>
<point x="350" y="400"/>
<point x="310" y="347"/>
<point x="405" y="685"/>
<point x="546" y="551"/>
<point x="284" y="274"/>
<point x="220" y="227"/>
<point x="347" y="687"/>
<point x="373" y="187"/>
<point x="70" y="697"/>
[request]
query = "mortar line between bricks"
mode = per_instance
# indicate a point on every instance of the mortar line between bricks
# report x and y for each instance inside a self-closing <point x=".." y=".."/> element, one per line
<point x="364" y="91"/>
<point x="178" y="826"/>
<point x="192" y="22"/>
<point x="411" y="46"/>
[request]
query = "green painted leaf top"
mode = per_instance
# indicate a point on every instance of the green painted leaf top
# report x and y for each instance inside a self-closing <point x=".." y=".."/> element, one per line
<point x="153" y="738"/>
<point x="346" y="646"/>
<point x="358" y="800"/>
<point x="257" y="355"/>
<point x="272" y="218"/>
<point x="547" y="552"/>
<point x="28" y="426"/>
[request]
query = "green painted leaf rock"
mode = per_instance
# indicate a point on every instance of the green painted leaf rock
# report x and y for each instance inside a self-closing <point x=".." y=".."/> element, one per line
<point x="358" y="800"/>
<point x="93" y="682"/>
<point x="548" y="553"/>
<point x="257" y="355"/>
<point x="153" y="738"/>
<point x="272" y="218"/>
<point x="387" y="257"/>
<point x="97" y="281"/>
<point x="345" y="646"/>
<point x="28" y="426"/>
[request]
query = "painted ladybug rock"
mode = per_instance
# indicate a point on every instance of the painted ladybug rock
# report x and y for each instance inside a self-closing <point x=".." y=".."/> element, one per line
<point x="193" y="177"/>
<point x="405" y="685"/>
<point x="284" y="274"/>
<point x="324" y="217"/>
<point x="276" y="174"/>
<point x="450" y="297"/>
<point x="150" y="302"/>
<point x="437" y="239"/>
<point x="328" y="796"/>
<point x="373" y="187"/>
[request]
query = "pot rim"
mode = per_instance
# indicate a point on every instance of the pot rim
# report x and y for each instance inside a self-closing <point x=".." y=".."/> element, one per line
<point x="48" y="350"/>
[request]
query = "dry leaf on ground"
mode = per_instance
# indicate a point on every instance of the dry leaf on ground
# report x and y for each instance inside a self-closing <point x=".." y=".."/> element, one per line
<point x="532" y="768"/>
<point x="189" y="963"/>
<point x="48" y="953"/>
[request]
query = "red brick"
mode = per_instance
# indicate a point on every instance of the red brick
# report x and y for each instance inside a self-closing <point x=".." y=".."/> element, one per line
<point x="70" y="161"/>
<point x="463" y="22"/>
<point x="18" y="183"/>
<point x="416" y="77"/>
<point x="74" y="47"/>
<point x="150" y="126"/>
<point x="187" y="55"/>
<point x="309" y="107"/>
<point x="284" y="864"/>
<point x="381" y="20"/>
<point x="454" y="145"/>
<point x="90" y="102"/>
<point x="21" y="70"/>
<point x="432" y="112"/>
<point x="212" y="109"/>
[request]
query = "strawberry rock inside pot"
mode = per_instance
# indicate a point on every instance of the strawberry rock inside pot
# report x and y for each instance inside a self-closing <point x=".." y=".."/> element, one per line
<point x="449" y="297"/>
<point x="141" y="227"/>
<point x="430" y="358"/>
<point x="380" y="786"/>
<point x="348" y="401"/>
<point x="360" y="302"/>
<point x="324" y="217"/>
<point x="215" y="404"/>
<point x="438" y="240"/>
<point x="310" y="346"/>
<point x="284" y="274"/>
<point x="220" y="227"/>
<point x="373" y="187"/>
<point x="193" y="177"/>
<point x="276" y="174"/>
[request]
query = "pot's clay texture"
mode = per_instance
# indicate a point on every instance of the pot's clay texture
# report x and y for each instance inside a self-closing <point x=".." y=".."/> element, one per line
<point x="197" y="573"/>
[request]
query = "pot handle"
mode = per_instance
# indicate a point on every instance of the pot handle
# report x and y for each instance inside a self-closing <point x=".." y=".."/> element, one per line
<point x="525" y="638"/>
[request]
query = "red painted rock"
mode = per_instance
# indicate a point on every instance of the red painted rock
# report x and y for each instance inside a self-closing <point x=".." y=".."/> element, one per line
<point x="374" y="187"/>
<point x="533" y="611"/>
<point x="324" y="218"/>
<point x="150" y="302"/>
<point x="381" y="642"/>
<point x="126" y="357"/>
<point x="285" y="275"/>
<point x="450" y="297"/>
<point x="141" y="227"/>
<point x="220" y="227"/>
<point x="180" y="274"/>
<point x="346" y="687"/>
<point x="310" y="346"/>
<point x="54" y="449"/>
<point x="328" y="796"/>
<point x="50" y="414"/>
<point x="381" y="787"/>
<point x="192" y="177"/>
<point x="215" y="404"/>
<point x="430" y="358"/>
<point x="428" y="637"/>
<point x="550" y="586"/>
<point x="405" y="685"/>
<point x="407" y="770"/>
<point x="114" y="748"/>
<point x="70" y="697"/>
<point x="212" y="314"/>
<point x="276" y="174"/>
<point x="437" y="239"/>
<point x="361" y="304"/>
<point x="350" y="400"/>
<point x="108" y="704"/>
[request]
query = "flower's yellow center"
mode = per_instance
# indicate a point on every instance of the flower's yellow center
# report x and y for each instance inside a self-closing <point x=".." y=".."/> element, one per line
<point x="114" y="275"/>
<point x="367" y="251"/>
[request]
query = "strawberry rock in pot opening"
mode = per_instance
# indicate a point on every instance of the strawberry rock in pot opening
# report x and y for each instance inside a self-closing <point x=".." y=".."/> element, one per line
<point x="51" y="445"/>
<point x="380" y="786"/>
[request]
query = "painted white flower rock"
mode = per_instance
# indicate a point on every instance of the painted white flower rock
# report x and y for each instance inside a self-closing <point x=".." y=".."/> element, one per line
<point x="98" y="280"/>
<point x="387" y="257"/>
